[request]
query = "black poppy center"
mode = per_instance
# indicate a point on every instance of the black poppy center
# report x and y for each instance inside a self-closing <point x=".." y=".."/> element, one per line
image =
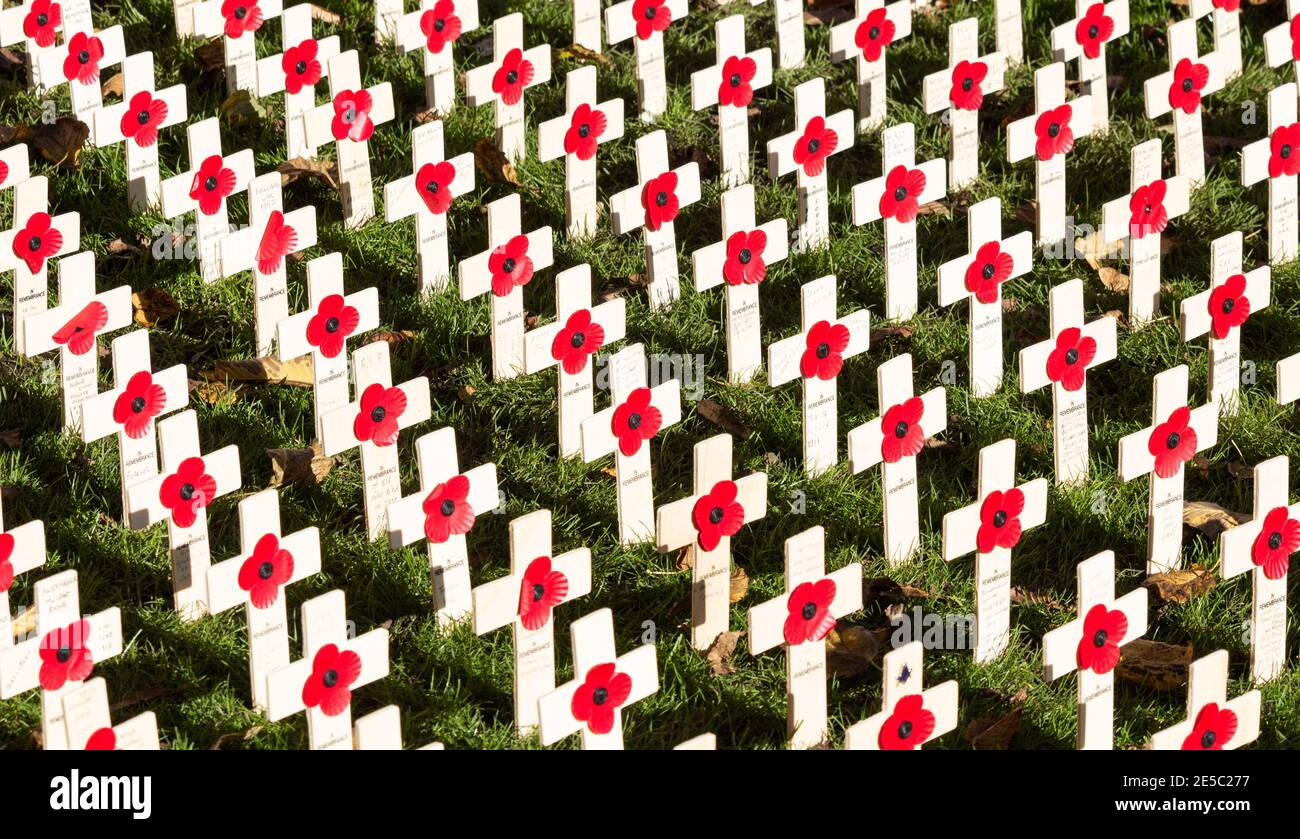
<point x="1053" y="129"/>
<point x="1229" y="304"/>
<point x="332" y="325"/>
<point x="83" y="56"/>
<point x="809" y="610"/>
<point x="715" y="515"/>
<point x="813" y="145"/>
<point x="989" y="270"/>
<point x="265" y="570"/>
<point x="1093" y="31"/>
<point x="331" y="678"/>
<point x="744" y="256"/>
<point x="1207" y="740"/>
<point x="300" y="67"/>
<point x="241" y="12"/>
<point x="447" y="507"/>
<point x="508" y="266"/>
<point x="1285" y="151"/>
<point x="874" y="32"/>
<point x="42" y="19"/>
<point x="1172" y="441"/>
<point x="584" y="130"/>
<point x="1071" y="356"/>
<point x="1275" y="540"/>
<point x="904" y="729"/>
<point x="900" y="193"/>
<point x="634" y="421"/>
<point x="1187" y="85"/>
<point x="967" y="84"/>
<point x="187" y="491"/>
<point x="512" y="76"/>
<point x="378" y="413"/>
<point x="735" y="80"/>
<point x="577" y="340"/>
<point x="34" y="243"/>
<point x="1147" y="209"/>
<point x="650" y="13"/>
<point x="1099" y="638"/>
<point x="142" y="117"/>
<point x="432" y="187"/>
<point x="137" y="404"/>
<point x="823" y="349"/>
<point x="600" y="696"/>
<point x="900" y="430"/>
<point x="439" y="24"/>
<point x="539" y="591"/>
<point x="999" y="518"/>
<point x="661" y="199"/>
<point x="211" y="183"/>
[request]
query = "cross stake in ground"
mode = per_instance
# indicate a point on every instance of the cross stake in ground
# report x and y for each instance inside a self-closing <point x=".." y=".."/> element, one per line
<point x="87" y="724"/>
<point x="433" y="31"/>
<point x="911" y="716"/>
<point x="300" y="65"/>
<point x="1181" y="90"/>
<point x="730" y="84"/>
<point x="1095" y="24"/>
<point x="1277" y="158"/>
<point x="503" y="82"/>
<point x="23" y="548"/>
<point x="959" y="91"/>
<point x="577" y="134"/>
<point x="235" y="21"/>
<point x="866" y="38"/>
<point x="27" y="248"/>
<point x="645" y="21"/>
<point x="136" y="122"/>
<point x="1213" y="723"/>
<point x="804" y="151"/>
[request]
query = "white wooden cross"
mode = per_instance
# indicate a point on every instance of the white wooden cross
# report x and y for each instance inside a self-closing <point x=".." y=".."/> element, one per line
<point x="268" y="562"/>
<point x="804" y="151"/>
<point x="441" y="513"/>
<point x="815" y="355"/>
<point x="1139" y="218"/>
<point x="1277" y="158"/>
<point x="372" y="422"/>
<point x="80" y="60"/>
<point x="296" y="70"/>
<point x="1160" y="450"/>
<point x="524" y="599"/>
<point x="1226" y="15"/>
<point x="896" y="196"/>
<point x="14" y="166"/>
<point x="502" y="82"/>
<point x="22" y="549"/>
<point x="730" y="84"/>
<point x="33" y="23"/>
<point x="333" y="664"/>
<point x="1282" y="42"/>
<point x="587" y="24"/>
<point x="585" y="125"/>
<point x="89" y="726"/>
<point x="978" y="277"/>
<point x="645" y="22"/>
<point x="569" y="343"/>
<point x="1063" y="361"/>
<point x="388" y="13"/>
<point x="382" y="731"/>
<point x="510" y="262"/>
<point x="1009" y="30"/>
<point x="1091" y="645"/>
<point x="136" y="121"/>
<point x="740" y="261"/>
<point x="61" y="653"/>
<point x="800" y="619"/>
<point x="866" y="37"/>
<point x="27" y="248"/>
<point x="433" y="29"/>
<point x="893" y="440"/>
<point x="1288" y="380"/>
<point x="911" y="716"/>
<point x="235" y="21"/>
<point x="1180" y="90"/>
<point x="703" y="523"/>
<point x="203" y="190"/>
<point x="991" y="527"/>
<point x="180" y="495"/>
<point x="698" y="743"/>
<point x="1213" y="723"/>
<point x="263" y="247"/>
<point x="1095" y="25"/>
<point x="959" y="91"/>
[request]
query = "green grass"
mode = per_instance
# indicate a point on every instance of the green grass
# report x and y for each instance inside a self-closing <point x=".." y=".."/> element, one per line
<point x="455" y="687"/>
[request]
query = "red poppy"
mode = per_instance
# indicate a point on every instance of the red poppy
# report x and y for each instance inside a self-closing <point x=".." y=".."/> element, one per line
<point x="330" y="327"/>
<point x="440" y="26"/>
<point x="577" y="340"/>
<point x="43" y="17"/>
<point x="1173" y="442"/>
<point x="447" y="511"/>
<point x="510" y="266"/>
<point x="744" y="263"/>
<point x="6" y="561"/>
<point x="278" y="241"/>
<point x="602" y="692"/>
<point x="1068" y="361"/>
<point x="1094" y="30"/>
<point x="1190" y="78"/>
<point x="267" y="568"/>
<point x="542" y="590"/>
<point x="4" y="172"/>
<point x="900" y="428"/>
<point x="187" y="491"/>
<point x="514" y="74"/>
<point x="431" y="182"/>
<point x="651" y="16"/>
<point x="65" y="655"/>
<point x="1000" y="520"/>
<point x="1229" y="306"/>
<point x="329" y="686"/>
<point x="1226" y="5"/>
<point x="300" y="65"/>
<point x="902" y="188"/>
<point x="241" y="16"/>
<point x="138" y="403"/>
<point x="808" y="612"/>
<point x="659" y="199"/>
<point x="212" y="183"/>
<point x="718" y="514"/>
<point x="1284" y="151"/>
<point x="1148" y="208"/>
<point x="1212" y="730"/>
<point x="873" y="34"/>
<point x="78" y="334"/>
<point x="1295" y="38"/>
<point x="37" y="241"/>
<point x="967" y="76"/>
<point x="381" y="407"/>
<point x="104" y="740"/>
<point x="817" y="143"/>
<point x="82" y="62"/>
<point x="1103" y="629"/>
<point x="908" y="726"/>
<point x="1052" y="128"/>
<point x="822" y="357"/>
<point x="737" y="73"/>
<point x="584" y="132"/>
<point x="636" y="420"/>
<point x="144" y="116"/>
<point x="352" y="116"/>
<point x="991" y="268"/>
<point x="1277" y="540"/>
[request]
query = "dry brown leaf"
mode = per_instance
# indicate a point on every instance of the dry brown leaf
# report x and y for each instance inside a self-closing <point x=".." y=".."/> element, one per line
<point x="888" y="590"/>
<point x="25" y="623"/>
<point x="11" y="59"/>
<point x="852" y="650"/>
<point x="739" y="584"/>
<point x="307" y="466"/>
<point x="113" y="85"/>
<point x="993" y="733"/>
<point x="723" y="417"/>
<point x="901" y="331"/>
<point x="12" y="438"/>
<point x="1033" y="597"/>
<point x="492" y="162"/>
<point x="819" y="12"/>
<point x="1113" y="279"/>
<point x="609" y="470"/>
<point x="720" y="651"/>
<point x="211" y="56"/>
<point x="685" y="559"/>
<point x="466" y="393"/>
<point x="231" y="735"/>
<point x="577" y="52"/>
<point x="1181" y="584"/>
<point x="154" y="306"/>
<point x="214" y="393"/>
<point x="1116" y="314"/>
<point x="934" y="208"/>
<point x="392" y="337"/>
<point x="61" y="141"/>
<point x="1010" y="305"/>
<point x="1240" y="470"/>
<point x="296" y="372"/>
<point x="426" y="115"/>
<point x="1028" y="212"/>
<point x="239" y="108"/>
<point x="325" y="15"/>
<point x="301" y="167"/>
<point x="122" y="249"/>
<point x="1211" y="519"/>
<point x="1154" y="664"/>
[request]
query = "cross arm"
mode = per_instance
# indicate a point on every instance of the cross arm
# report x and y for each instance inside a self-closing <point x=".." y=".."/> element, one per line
<point x="239" y="250"/>
<point x="406" y="517"/>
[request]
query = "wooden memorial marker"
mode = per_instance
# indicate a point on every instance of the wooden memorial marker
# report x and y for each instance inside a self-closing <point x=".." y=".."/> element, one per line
<point x="652" y="206"/>
<point x="79" y="62"/>
<point x="896" y="197"/>
<point x="136" y="121"/>
<point x="959" y="91"/>
<point x="800" y="619"/>
<point x="1288" y="380"/>
<point x="268" y="562"/>
<point x="183" y="11"/>
<point x="34" y="24"/>
<point x="1277" y="158"/>
<point x="579" y="331"/>
<point x="991" y="527"/>
<point x="388" y="15"/>
<point x="236" y="21"/>
<point x="804" y="151"/>
<point x="698" y="743"/>
<point x="296" y="70"/>
<point x="730" y="84"/>
<point x="524" y="599"/>
<point x="585" y="125"/>
<point x="703" y="523"/>
<point x="1174" y="437"/>
<point x="14" y="166"/>
<point x="1091" y="645"/>
<point x="1180" y="91"/>
<point x="1282" y="42"/>
<point x="333" y="664"/>
<point x="27" y="247"/>
<point x="22" y="549"/>
<point x="1063" y="361"/>
<point x="442" y="513"/>
<point x="866" y="37"/>
<point x="1226" y="17"/>
<point x="427" y="194"/>
<point x="1213" y="723"/>
<point x="978" y="277"/>
<point x="89" y="727"/>
<point x="587" y="30"/>
<point x="1095" y="25"/>
<point x="434" y="30"/>
<point x="1009" y="30"/>
<point x="911" y="716"/>
<point x="646" y="20"/>
<point x="373" y="422"/>
<point x="893" y="440"/>
<point x="382" y="731"/>
<point x="503" y="82"/>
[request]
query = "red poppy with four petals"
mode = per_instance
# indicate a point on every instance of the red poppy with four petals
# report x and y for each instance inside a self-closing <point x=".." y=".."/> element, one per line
<point x="278" y="241"/>
<point x="1295" y="38"/>
<point x="635" y="420"/>
<point x="6" y="561"/>
<point x="1094" y="30"/>
<point x="78" y="334"/>
<point x="1277" y="540"/>
<point x="991" y="268"/>
<point x="510" y="266"/>
<point x="1173" y="442"/>
<point x="542" y="589"/>
<point x="1213" y="729"/>
<point x="602" y="692"/>
<point x="1068" y="361"/>
<point x="903" y="188"/>
<point x="717" y="514"/>
<point x="329" y="687"/>
<point x="900" y="429"/>
<point x="808" y="612"/>
<point x="585" y="130"/>
<point x="241" y="16"/>
<point x="265" y="571"/>
<point x="1229" y="306"/>
<point x="352" y="116"/>
<point x="65" y="655"/>
<point x="874" y="33"/>
<point x="823" y="350"/>
<point x="817" y="142"/>
<point x="4" y="172"/>
<point x="744" y="263"/>
<point x="144" y="115"/>
<point x="510" y="79"/>
<point x="43" y="18"/>
<point x="1148" y="210"/>
<point x="37" y="241"/>
<point x="967" y="77"/>
<point x="1284" y="151"/>
<point x="1103" y="630"/>
<point x="329" y="328"/>
<point x="103" y="740"/>
<point x="212" y="183"/>
<point x="908" y="726"/>
<point x="659" y="200"/>
<point x="1226" y="5"/>
<point x="186" y="491"/>
<point x="301" y="67"/>
<point x="738" y="72"/>
<point x="576" y="341"/>
<point x="440" y="26"/>
<point x="651" y="16"/>
<point x="1190" y="78"/>
<point x="82" y="63"/>
<point x="447" y="511"/>
<point x="1052" y="132"/>
<point x="1000" y="520"/>
<point x="433" y="183"/>
<point x="138" y="403"/>
<point x="381" y="407"/>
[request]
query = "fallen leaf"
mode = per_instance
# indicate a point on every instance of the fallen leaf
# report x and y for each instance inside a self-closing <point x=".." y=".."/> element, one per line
<point x="933" y="208"/>
<point x="307" y="466"/>
<point x="1240" y="470"/>
<point x="492" y="162"/>
<point x="613" y="473"/>
<point x="1033" y="597"/>
<point x="1010" y="305"/>
<point x="214" y="393"/>
<point x="880" y="334"/>
<point x="301" y="167"/>
<point x="1113" y="279"/>
<point x="211" y="56"/>
<point x="889" y="591"/>
<point x="820" y="12"/>
<point x="1211" y="519"/>
<point x="243" y="735"/>
<point x="13" y="438"/>
<point x="325" y="15"/>
<point x="426" y="115"/>
<point x="1181" y="584"/>
<point x="61" y="141"/>
<point x="122" y="249"/>
<point x="1154" y="664"/>
<point x="154" y="306"/>
<point x="720" y="651"/>
<point x="466" y="393"/>
<point x="25" y="623"/>
<point x="392" y="337"/>
<point x="1028" y="212"/>
<point x="296" y="372"/>
<point x="723" y="417"/>
<point x="739" y="584"/>
<point x="852" y="650"/>
<point x="935" y="444"/>
<point x="239" y="108"/>
<point x="577" y="52"/>
<point x="993" y="733"/>
<point x="12" y="59"/>
<point x="113" y="85"/>
<point x="685" y="559"/>
<point x="1114" y="313"/>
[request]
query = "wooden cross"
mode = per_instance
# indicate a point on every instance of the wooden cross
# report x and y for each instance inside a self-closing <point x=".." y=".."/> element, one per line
<point x="1277" y="158"/>
<point x="38" y="237"/>
<point x="300" y="65"/>
<point x="910" y="716"/>
<point x="442" y="513"/>
<point x="332" y="666"/>
<point x="698" y="743"/>
<point x="88" y="724"/>
<point x="388" y="14"/>
<point x="799" y="620"/>
<point x="524" y="599"/>
<point x="587" y="25"/>
<point x="61" y="653"/>
<point x="235" y="21"/>
<point x="579" y="331"/>
<point x="382" y="731"/>
<point x="1280" y="42"/>
<point x="1181" y="90"/>
<point x="815" y="355"/>
<point x="1213" y="723"/>
<point x="1095" y="25"/>
<point x="136" y="121"/>
<point x="703" y="523"/>
<point x="1139" y="218"/>
<point x="645" y="21"/>
<point x="585" y="125"/>
<point x="959" y="92"/>
<point x="788" y="22"/>
<point x="43" y="19"/>
<point x="893" y="440"/>
<point x="22" y="549"/>
<point x="268" y="562"/>
<point x="990" y="528"/>
<point x="1227" y="32"/>
<point x="180" y="495"/>
<point x="866" y="37"/>
<point x="434" y="30"/>
<point x="372" y="422"/>
<point x="80" y="61"/>
<point x="1091" y="645"/>
<point x="14" y="166"/>
<point x="896" y="196"/>
<point x="183" y="12"/>
<point x="503" y="82"/>
<point x="604" y="684"/>
<point x="730" y="84"/>
<point x="804" y="151"/>
<point x="978" y="277"/>
<point x="1288" y="380"/>
<point x="1174" y="437"/>
<point x="1009" y="30"/>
